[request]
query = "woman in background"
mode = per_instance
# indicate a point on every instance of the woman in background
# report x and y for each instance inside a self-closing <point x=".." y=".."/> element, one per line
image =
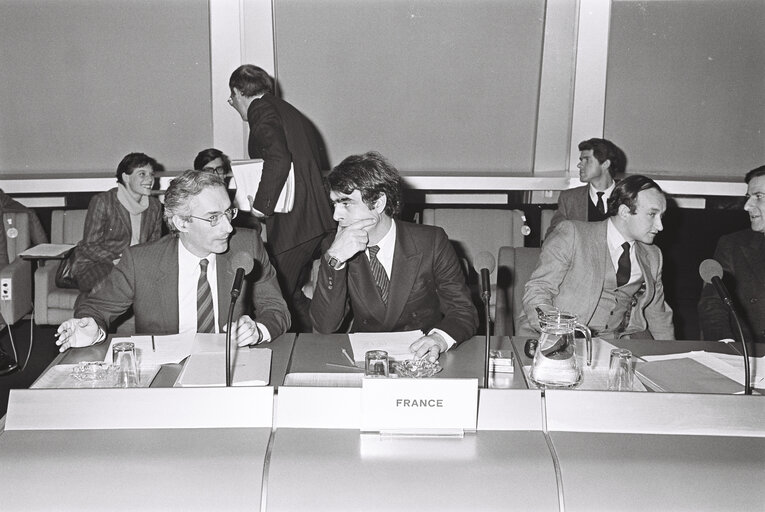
<point x="121" y="217"/>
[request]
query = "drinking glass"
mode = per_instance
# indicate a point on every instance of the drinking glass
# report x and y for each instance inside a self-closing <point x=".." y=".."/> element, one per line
<point x="620" y="372"/>
<point x="376" y="363"/>
<point x="124" y="357"/>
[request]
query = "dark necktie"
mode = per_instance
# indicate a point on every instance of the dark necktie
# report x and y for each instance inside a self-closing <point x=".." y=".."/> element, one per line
<point x="625" y="268"/>
<point x="205" y="315"/>
<point x="381" y="278"/>
<point x="599" y="205"/>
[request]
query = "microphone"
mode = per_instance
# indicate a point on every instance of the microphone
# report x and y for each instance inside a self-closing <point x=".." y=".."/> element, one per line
<point x="242" y="262"/>
<point x="711" y="272"/>
<point x="485" y="263"/>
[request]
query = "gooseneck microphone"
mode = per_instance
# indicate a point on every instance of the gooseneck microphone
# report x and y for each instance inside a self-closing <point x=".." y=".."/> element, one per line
<point x="485" y="264"/>
<point x="711" y="272"/>
<point x="243" y="263"/>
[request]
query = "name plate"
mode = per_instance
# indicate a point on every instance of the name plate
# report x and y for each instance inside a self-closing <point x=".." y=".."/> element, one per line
<point x="419" y="405"/>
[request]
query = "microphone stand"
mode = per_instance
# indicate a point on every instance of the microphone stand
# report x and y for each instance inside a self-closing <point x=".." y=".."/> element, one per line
<point x="723" y="292"/>
<point x="485" y="298"/>
<point x="228" y="338"/>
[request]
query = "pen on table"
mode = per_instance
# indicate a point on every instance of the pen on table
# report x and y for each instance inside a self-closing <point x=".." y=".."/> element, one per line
<point x="153" y="347"/>
<point x="349" y="358"/>
<point x="345" y="366"/>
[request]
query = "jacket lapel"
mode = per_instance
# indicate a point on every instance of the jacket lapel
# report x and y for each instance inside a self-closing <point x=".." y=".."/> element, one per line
<point x="753" y="253"/>
<point x="406" y="264"/>
<point x="225" y="281"/>
<point x="363" y="285"/>
<point x="645" y="268"/>
<point x="167" y="282"/>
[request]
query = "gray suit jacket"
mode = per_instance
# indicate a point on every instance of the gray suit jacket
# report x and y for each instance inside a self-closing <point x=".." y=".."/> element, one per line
<point x="572" y="205"/>
<point x="571" y="273"/>
<point x="742" y="256"/>
<point x="146" y="278"/>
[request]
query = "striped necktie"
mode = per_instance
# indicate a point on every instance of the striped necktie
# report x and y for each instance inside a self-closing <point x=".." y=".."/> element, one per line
<point x="205" y="314"/>
<point x="378" y="271"/>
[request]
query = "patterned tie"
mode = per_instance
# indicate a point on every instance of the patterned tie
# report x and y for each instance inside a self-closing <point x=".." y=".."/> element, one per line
<point x="381" y="278"/>
<point x="205" y="315"/>
<point x="625" y="267"/>
<point x="599" y="205"/>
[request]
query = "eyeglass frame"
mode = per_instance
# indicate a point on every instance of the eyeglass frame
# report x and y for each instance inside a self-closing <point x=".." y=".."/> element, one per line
<point x="219" y="170"/>
<point x="215" y="218"/>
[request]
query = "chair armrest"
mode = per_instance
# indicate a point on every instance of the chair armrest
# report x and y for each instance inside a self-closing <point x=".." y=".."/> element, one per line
<point x="17" y="276"/>
<point x="45" y="282"/>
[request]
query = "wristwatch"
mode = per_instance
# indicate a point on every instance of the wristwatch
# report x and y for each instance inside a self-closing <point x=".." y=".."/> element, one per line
<point x="334" y="262"/>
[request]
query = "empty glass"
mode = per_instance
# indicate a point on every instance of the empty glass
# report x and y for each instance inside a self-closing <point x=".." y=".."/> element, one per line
<point x="124" y="358"/>
<point x="620" y="372"/>
<point x="376" y="363"/>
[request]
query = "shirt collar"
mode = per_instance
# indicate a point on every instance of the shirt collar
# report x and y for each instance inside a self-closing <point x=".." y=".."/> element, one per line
<point x="614" y="237"/>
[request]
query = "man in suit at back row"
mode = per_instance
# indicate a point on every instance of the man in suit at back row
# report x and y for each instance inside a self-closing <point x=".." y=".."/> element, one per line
<point x="607" y="273"/>
<point x="182" y="282"/>
<point x="391" y="275"/>
<point x="599" y="162"/>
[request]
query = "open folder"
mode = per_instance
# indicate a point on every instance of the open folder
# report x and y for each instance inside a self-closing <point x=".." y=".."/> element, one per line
<point x="250" y="367"/>
<point x="247" y="175"/>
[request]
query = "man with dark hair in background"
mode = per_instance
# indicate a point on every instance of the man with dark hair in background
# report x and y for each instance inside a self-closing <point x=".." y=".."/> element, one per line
<point x="600" y="160"/>
<point x="607" y="273"/>
<point x="392" y="275"/>
<point x="742" y="256"/>
<point x="283" y="136"/>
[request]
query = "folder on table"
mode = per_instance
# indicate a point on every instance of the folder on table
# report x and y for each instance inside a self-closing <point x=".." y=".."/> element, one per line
<point x="684" y="375"/>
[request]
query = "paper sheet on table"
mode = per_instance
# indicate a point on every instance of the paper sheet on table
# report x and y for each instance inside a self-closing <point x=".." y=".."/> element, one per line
<point x="250" y="367"/>
<point x="729" y="365"/>
<point x="396" y="344"/>
<point x="595" y="376"/>
<point x="167" y="349"/>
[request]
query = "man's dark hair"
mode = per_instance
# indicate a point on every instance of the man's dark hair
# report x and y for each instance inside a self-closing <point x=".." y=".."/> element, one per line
<point x="183" y="188"/>
<point x="754" y="173"/>
<point x="208" y="155"/>
<point x="251" y="80"/>
<point x="133" y="161"/>
<point x="604" y="149"/>
<point x="373" y="176"/>
<point x="626" y="192"/>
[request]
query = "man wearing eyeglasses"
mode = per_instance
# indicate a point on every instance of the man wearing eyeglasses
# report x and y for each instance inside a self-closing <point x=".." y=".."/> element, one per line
<point x="182" y="282"/>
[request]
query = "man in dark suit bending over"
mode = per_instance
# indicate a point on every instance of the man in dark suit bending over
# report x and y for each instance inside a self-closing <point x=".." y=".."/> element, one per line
<point x="182" y="282"/>
<point x="392" y="275"/>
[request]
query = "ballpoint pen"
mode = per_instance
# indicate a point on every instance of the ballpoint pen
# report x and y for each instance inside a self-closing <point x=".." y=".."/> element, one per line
<point x="348" y="357"/>
<point x="153" y="347"/>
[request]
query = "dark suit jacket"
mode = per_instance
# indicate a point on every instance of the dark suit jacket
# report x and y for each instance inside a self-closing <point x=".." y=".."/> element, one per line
<point x="280" y="135"/>
<point x="107" y="234"/>
<point x="572" y="205"/>
<point x="427" y="289"/>
<point x="571" y="274"/>
<point x="742" y="256"/>
<point x="147" y="279"/>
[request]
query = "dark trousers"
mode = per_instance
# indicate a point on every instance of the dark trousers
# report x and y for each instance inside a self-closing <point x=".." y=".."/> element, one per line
<point x="293" y="269"/>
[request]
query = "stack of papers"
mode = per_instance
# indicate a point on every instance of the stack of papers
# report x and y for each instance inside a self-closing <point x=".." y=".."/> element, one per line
<point x="396" y="344"/>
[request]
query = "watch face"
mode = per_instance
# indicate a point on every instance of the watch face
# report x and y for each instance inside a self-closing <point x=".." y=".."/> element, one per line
<point x="333" y="263"/>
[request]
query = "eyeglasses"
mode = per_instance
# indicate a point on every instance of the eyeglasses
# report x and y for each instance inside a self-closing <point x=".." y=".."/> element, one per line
<point x="220" y="170"/>
<point x="215" y="218"/>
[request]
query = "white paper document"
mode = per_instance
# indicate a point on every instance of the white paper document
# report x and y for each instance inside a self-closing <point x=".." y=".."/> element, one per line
<point x="250" y="367"/>
<point x="166" y="349"/>
<point x="396" y="344"/>
<point x="729" y="365"/>
<point x="247" y="175"/>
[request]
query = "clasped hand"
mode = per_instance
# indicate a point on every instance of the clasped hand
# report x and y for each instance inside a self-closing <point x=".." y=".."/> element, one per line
<point x="429" y="347"/>
<point x="350" y="240"/>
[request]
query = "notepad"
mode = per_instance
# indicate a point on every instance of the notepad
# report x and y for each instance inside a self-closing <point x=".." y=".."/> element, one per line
<point x="250" y="367"/>
<point x="684" y="375"/>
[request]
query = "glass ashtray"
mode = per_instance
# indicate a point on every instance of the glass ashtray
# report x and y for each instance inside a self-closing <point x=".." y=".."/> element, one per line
<point x="416" y="368"/>
<point x="94" y="370"/>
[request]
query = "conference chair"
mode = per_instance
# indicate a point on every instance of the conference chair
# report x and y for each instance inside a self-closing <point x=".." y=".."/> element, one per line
<point x="53" y="305"/>
<point x="476" y="230"/>
<point x="16" y="277"/>
<point x="514" y="268"/>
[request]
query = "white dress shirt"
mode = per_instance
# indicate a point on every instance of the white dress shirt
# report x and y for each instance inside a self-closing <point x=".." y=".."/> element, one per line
<point x="606" y="194"/>
<point x="188" y="276"/>
<point x="615" y="240"/>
